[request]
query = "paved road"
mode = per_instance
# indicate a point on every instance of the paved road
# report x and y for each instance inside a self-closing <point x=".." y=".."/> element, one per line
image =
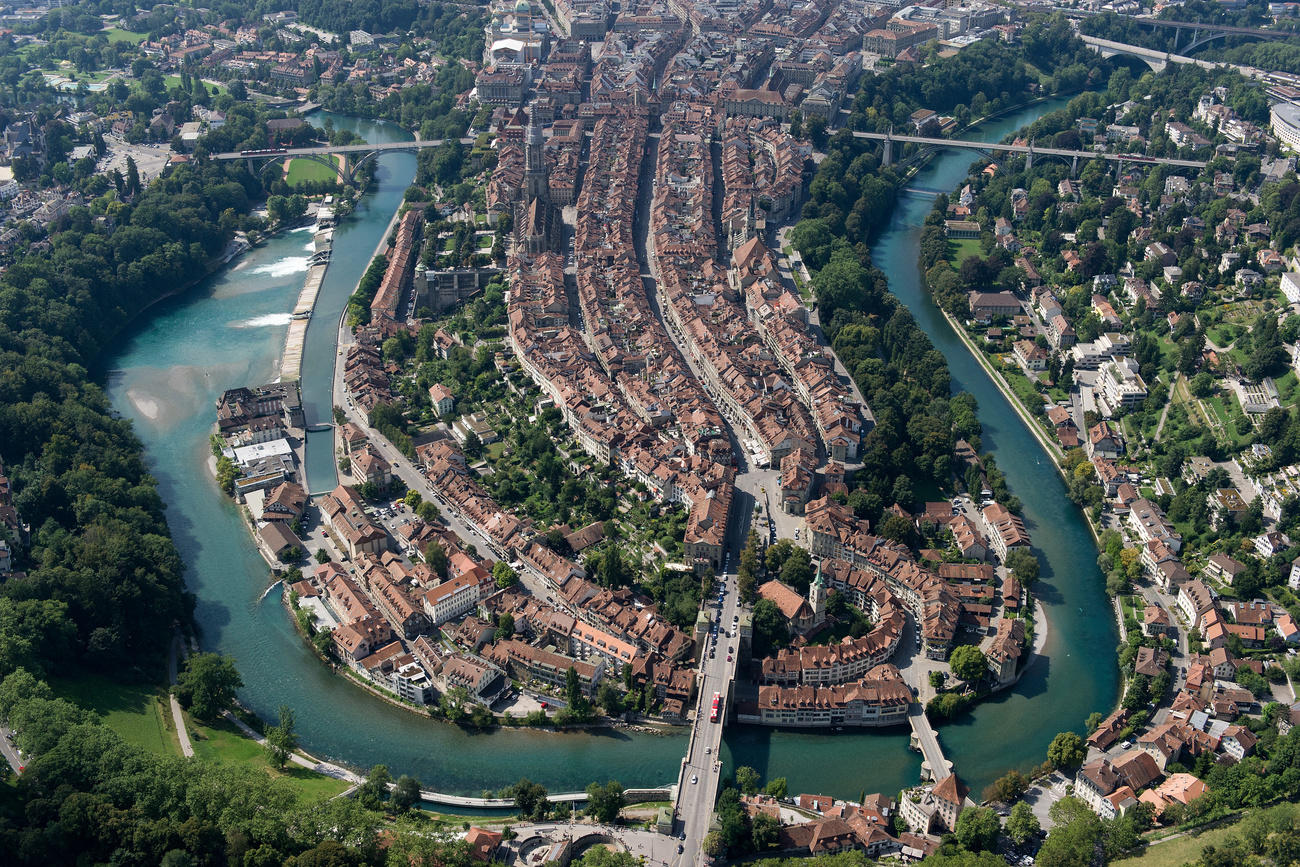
<point x="178" y="718"/>
<point x="10" y="753"/>
<point x="929" y="742"/>
<point x="701" y="768"/>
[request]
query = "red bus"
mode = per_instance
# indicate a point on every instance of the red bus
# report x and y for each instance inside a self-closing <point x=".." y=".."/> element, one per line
<point x="717" y="707"/>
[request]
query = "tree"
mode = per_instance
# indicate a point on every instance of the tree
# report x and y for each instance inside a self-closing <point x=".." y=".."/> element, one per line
<point x="207" y="685"/>
<point x="747" y="571"/>
<point x="777" y="788"/>
<point x="764" y="830"/>
<point x="1074" y="838"/>
<point x="473" y="446"/>
<point x="504" y="575"/>
<point x="573" y="688"/>
<point x="747" y="780"/>
<point x="776" y="555"/>
<point x="978" y="828"/>
<point x="505" y="626"/>
<point x="1024" y="565"/>
<point x="132" y="177"/>
<point x="770" y="630"/>
<point x="1202" y="384"/>
<point x="1066" y="750"/>
<point x="406" y="793"/>
<point x="435" y="556"/>
<point x="453" y="704"/>
<point x="968" y="663"/>
<point x="322" y="556"/>
<point x="1022" y="824"/>
<point x="714" y="845"/>
<point x="599" y="856"/>
<point x="530" y="799"/>
<point x="374" y="791"/>
<point x="610" y="569"/>
<point x="936" y="680"/>
<point x="608" y="697"/>
<point x="281" y="739"/>
<point x="1007" y="788"/>
<point x="797" y="570"/>
<point x="605" y="802"/>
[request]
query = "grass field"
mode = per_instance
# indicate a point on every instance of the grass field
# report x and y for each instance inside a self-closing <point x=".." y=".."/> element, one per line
<point x="137" y="712"/>
<point x="964" y="248"/>
<point x="117" y="34"/>
<point x="1185" y="850"/>
<point x="310" y="171"/>
<point x="170" y="81"/>
<point x="1182" y="851"/>
<point x="222" y="743"/>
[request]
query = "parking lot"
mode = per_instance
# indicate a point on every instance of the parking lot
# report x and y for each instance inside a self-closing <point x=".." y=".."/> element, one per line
<point x="150" y="159"/>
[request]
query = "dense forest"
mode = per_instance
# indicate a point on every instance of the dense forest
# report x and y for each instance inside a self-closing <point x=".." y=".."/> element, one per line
<point x="101" y="587"/>
<point x="88" y="797"/>
<point x="103" y="582"/>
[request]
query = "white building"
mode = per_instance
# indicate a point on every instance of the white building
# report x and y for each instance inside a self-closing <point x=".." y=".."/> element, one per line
<point x="1291" y="287"/>
<point x="1120" y="385"/>
<point x="452" y="598"/>
<point x="1285" y="118"/>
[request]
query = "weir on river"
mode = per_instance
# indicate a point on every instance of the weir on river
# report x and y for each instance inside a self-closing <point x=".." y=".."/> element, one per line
<point x="230" y="330"/>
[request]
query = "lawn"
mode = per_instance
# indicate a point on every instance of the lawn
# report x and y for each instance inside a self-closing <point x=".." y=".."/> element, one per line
<point x="963" y="249"/>
<point x="1187" y="849"/>
<point x="117" y="34"/>
<point x="1223" y="334"/>
<point x="170" y="81"/>
<point x="138" y="712"/>
<point x="223" y="743"/>
<point x="1020" y="384"/>
<point x="311" y="172"/>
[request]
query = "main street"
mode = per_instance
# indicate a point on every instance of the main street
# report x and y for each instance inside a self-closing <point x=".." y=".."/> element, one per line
<point x="697" y="785"/>
<point x="701" y="771"/>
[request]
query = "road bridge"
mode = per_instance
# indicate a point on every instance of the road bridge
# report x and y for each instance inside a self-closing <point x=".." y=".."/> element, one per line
<point x="697" y="784"/>
<point x="324" y="153"/>
<point x="1030" y="150"/>
<point x="934" y="766"/>
<point x="1201" y="32"/>
<point x="1158" y="60"/>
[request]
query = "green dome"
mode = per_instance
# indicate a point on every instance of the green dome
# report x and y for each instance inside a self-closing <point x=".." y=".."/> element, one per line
<point x="522" y="8"/>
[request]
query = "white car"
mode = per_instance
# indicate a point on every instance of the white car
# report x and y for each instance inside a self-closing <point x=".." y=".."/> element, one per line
<point x="694" y="779"/>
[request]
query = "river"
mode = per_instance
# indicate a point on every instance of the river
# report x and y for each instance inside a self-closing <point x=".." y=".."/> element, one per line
<point x="229" y="331"/>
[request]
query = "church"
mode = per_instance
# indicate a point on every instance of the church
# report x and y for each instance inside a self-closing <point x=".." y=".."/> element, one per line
<point x="538" y="226"/>
<point x="804" y="615"/>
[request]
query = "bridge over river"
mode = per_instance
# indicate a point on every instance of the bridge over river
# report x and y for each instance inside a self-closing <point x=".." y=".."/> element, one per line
<point x="1030" y="150"/>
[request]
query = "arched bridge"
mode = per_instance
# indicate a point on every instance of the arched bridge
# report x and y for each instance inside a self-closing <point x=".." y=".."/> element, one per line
<point x="1198" y="32"/>
<point x="1031" y="151"/>
<point x="364" y="153"/>
<point x="1158" y="60"/>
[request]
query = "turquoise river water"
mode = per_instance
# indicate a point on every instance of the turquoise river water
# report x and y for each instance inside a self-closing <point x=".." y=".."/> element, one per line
<point x="229" y="330"/>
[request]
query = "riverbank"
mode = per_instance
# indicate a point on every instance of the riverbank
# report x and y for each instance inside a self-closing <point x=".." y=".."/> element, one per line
<point x="1054" y="453"/>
